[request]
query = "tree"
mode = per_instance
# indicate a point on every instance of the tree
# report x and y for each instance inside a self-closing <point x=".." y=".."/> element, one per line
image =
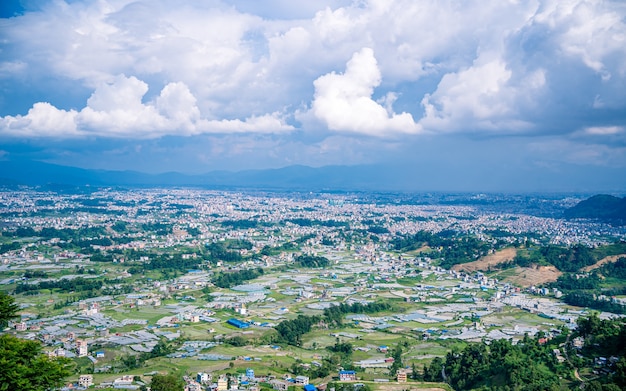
<point x="8" y="309"/>
<point x="161" y="349"/>
<point x="169" y="382"/>
<point x="397" y="360"/>
<point x="619" y="377"/>
<point x="414" y="374"/>
<point x="23" y="367"/>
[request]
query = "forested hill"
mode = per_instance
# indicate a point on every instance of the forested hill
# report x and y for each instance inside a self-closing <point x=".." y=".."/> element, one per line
<point x="602" y="206"/>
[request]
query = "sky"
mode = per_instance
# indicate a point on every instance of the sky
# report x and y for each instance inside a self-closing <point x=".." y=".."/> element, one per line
<point x="467" y="95"/>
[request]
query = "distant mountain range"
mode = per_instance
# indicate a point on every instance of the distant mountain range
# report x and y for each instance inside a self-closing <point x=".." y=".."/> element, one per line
<point x="34" y="173"/>
<point x="602" y="207"/>
<point x="378" y="178"/>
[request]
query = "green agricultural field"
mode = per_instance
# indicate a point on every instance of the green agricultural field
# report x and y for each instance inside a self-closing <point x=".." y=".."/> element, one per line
<point x="513" y="316"/>
<point x="149" y="313"/>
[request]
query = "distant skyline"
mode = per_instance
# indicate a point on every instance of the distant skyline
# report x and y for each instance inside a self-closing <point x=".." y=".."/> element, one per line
<point x="494" y="95"/>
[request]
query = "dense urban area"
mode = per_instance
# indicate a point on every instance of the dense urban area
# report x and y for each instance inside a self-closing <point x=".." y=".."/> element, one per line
<point x="221" y="290"/>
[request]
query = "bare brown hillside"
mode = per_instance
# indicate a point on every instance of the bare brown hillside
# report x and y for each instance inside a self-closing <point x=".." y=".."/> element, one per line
<point x="529" y="276"/>
<point x="604" y="261"/>
<point x="485" y="262"/>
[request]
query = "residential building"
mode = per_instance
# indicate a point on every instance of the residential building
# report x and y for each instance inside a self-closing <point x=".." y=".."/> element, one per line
<point x="302" y="380"/>
<point x="81" y="348"/>
<point x="203" y="377"/>
<point x="85" y="381"/>
<point x="238" y="323"/>
<point x="347" y="375"/>
<point x="193" y="386"/>
<point x="280" y="385"/>
<point x="222" y="383"/>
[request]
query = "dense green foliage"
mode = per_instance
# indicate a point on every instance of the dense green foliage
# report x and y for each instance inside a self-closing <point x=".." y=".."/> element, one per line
<point x="98" y="256"/>
<point x="65" y="234"/>
<point x="334" y="314"/>
<point x="291" y="331"/>
<point x="590" y="300"/>
<point x="169" y="382"/>
<point x="161" y="349"/>
<point x="616" y="248"/>
<point x="447" y="246"/>
<point x="531" y="365"/>
<point x="569" y="259"/>
<point x="166" y="262"/>
<point x="81" y="239"/>
<point x="586" y="290"/>
<point x="312" y="261"/>
<point x="35" y="274"/>
<point x="219" y="252"/>
<point x="240" y="224"/>
<point x="396" y="354"/>
<point x="8" y="309"/>
<point x="157" y="228"/>
<point x="605" y="338"/>
<point x="573" y="282"/>
<point x="227" y="280"/>
<point x="77" y="284"/>
<point x="501" y="365"/>
<point x="602" y="206"/>
<point x="5" y="248"/>
<point x="377" y="229"/>
<point x="451" y="249"/>
<point x="324" y="223"/>
<point x="341" y="347"/>
<point x="24" y="368"/>
<point x="616" y="269"/>
<point x="305" y="238"/>
<point x="240" y="244"/>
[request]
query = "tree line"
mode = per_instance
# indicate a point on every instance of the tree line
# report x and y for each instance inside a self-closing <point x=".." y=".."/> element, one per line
<point x="586" y="290"/>
<point x="334" y="315"/>
<point x="77" y="284"/>
<point x="24" y="366"/>
<point x="291" y="331"/>
<point x="501" y="365"/>
<point x="531" y="364"/>
<point x="452" y="248"/>
<point x="312" y="261"/>
<point x="227" y="280"/>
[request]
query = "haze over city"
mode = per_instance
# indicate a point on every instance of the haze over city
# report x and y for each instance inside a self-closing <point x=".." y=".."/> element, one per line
<point x="490" y="95"/>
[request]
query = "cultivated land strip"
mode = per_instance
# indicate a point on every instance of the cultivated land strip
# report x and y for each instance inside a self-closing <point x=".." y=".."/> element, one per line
<point x="533" y="276"/>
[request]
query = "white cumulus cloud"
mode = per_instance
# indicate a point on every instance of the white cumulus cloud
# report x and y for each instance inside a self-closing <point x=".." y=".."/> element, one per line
<point x="440" y="66"/>
<point x="344" y="101"/>
<point x="116" y="109"/>
<point x="481" y="97"/>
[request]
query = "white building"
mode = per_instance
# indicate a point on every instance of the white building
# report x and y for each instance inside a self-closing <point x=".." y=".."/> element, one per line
<point x="81" y="348"/>
<point x="85" y="381"/>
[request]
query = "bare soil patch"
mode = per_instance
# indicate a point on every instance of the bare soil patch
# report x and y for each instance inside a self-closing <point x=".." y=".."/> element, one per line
<point x="487" y="261"/>
<point x="604" y="261"/>
<point x="529" y="276"/>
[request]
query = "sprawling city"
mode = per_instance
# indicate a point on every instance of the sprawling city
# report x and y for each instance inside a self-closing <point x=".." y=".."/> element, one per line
<point x="313" y="195"/>
<point x="252" y="290"/>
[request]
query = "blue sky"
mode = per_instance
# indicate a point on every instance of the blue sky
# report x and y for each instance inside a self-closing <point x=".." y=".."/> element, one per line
<point x="489" y="93"/>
